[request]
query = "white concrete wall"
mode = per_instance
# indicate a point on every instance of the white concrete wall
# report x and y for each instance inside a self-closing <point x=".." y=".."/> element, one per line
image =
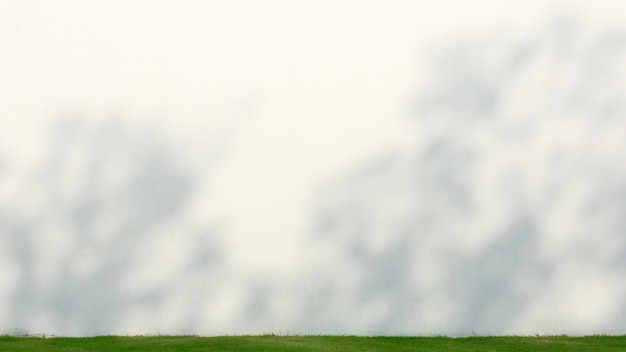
<point x="312" y="167"/>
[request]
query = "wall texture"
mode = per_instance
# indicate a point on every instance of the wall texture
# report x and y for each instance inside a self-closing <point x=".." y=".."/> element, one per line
<point x="312" y="167"/>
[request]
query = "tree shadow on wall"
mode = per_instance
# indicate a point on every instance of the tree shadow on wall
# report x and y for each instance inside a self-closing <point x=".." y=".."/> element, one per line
<point x="507" y="183"/>
<point x="93" y="241"/>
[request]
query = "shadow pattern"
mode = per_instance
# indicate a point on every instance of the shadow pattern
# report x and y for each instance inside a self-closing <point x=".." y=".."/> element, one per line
<point x="503" y="219"/>
<point x="94" y="217"/>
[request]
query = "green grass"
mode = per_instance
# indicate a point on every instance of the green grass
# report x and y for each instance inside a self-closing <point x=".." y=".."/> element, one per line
<point x="313" y="343"/>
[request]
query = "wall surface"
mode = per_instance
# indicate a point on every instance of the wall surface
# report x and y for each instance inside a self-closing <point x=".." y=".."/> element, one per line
<point x="312" y="167"/>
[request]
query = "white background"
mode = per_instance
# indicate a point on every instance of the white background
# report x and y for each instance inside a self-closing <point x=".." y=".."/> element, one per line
<point x="335" y="167"/>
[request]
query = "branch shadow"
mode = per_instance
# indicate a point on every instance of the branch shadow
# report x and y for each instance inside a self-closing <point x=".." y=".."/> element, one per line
<point x="89" y="250"/>
<point x="512" y="187"/>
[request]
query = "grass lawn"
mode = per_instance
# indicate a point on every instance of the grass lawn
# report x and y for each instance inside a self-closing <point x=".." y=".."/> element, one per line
<point x="313" y="343"/>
